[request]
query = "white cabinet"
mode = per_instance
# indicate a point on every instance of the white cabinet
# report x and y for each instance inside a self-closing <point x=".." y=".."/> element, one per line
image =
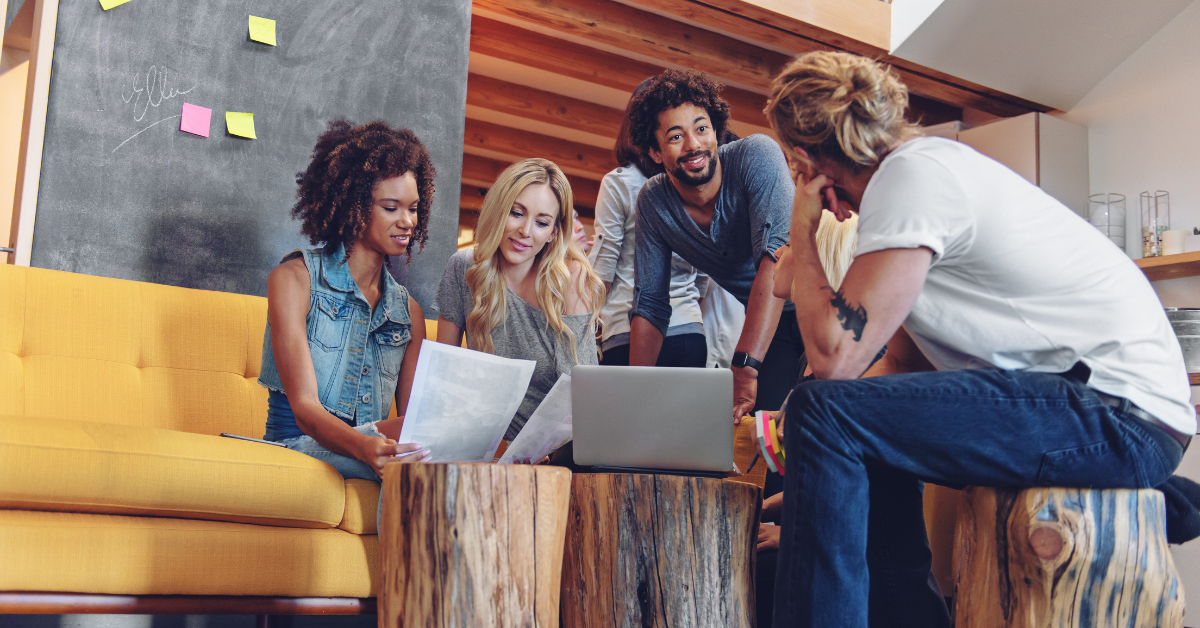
<point x="1047" y="151"/>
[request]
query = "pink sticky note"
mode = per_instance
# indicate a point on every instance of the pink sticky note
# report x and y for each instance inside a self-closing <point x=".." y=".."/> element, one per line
<point x="195" y="119"/>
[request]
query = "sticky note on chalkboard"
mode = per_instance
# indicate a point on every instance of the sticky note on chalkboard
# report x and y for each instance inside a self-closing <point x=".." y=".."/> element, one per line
<point x="108" y="4"/>
<point x="195" y="120"/>
<point x="240" y="124"/>
<point x="261" y="29"/>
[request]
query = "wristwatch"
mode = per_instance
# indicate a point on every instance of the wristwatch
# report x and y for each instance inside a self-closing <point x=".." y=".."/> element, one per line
<point x="741" y="359"/>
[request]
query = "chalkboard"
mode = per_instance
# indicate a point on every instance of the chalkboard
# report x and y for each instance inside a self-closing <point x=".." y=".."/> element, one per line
<point x="125" y="193"/>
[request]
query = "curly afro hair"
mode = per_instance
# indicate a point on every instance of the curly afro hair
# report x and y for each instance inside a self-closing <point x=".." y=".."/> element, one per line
<point x="336" y="191"/>
<point x="668" y="90"/>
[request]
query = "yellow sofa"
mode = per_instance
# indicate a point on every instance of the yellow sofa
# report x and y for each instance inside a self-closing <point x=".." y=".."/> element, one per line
<point x="113" y="479"/>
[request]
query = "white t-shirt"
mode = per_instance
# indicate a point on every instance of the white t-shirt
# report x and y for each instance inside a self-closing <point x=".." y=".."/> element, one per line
<point x="613" y="254"/>
<point x="1020" y="282"/>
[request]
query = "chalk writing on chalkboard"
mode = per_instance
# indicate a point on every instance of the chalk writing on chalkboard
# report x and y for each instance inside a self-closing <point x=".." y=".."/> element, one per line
<point x="150" y="88"/>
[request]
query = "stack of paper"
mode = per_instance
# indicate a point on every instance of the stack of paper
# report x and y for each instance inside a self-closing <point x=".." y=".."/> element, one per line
<point x="548" y="428"/>
<point x="462" y="402"/>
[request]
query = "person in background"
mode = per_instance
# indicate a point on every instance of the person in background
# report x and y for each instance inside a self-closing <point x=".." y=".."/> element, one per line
<point x="613" y="257"/>
<point x="342" y="336"/>
<point x="1056" y="365"/>
<point x="579" y="233"/>
<point x="524" y="291"/>
<point x="724" y="210"/>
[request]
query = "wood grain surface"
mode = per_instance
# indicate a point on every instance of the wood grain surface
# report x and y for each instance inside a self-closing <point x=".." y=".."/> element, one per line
<point x="1064" y="557"/>
<point x="659" y="550"/>
<point x="472" y="544"/>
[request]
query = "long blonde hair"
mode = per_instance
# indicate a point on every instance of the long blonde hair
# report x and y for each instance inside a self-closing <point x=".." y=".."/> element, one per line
<point x="839" y="106"/>
<point x="553" y="273"/>
<point x="836" y="243"/>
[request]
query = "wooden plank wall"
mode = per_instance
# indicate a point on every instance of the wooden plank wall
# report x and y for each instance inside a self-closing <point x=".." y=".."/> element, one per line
<point x="551" y="78"/>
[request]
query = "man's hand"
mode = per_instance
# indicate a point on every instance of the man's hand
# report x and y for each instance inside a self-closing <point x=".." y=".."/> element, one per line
<point x="378" y="451"/>
<point x="745" y="390"/>
<point x="768" y="536"/>
<point x="772" y="507"/>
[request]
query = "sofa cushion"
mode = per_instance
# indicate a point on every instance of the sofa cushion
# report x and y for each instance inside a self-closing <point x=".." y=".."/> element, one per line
<point x="69" y="552"/>
<point x="130" y="353"/>
<point x="362" y="502"/>
<point x="80" y="466"/>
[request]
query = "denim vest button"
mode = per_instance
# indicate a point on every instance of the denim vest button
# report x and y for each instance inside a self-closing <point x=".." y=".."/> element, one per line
<point x="366" y="369"/>
<point x="366" y="399"/>
<point x="396" y="336"/>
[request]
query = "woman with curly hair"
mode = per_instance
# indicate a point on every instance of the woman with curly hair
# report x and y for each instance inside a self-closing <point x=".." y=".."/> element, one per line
<point x="342" y="336"/>
<point x="524" y="291"/>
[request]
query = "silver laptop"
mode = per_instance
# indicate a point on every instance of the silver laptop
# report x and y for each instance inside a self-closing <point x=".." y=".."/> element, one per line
<point x="653" y="419"/>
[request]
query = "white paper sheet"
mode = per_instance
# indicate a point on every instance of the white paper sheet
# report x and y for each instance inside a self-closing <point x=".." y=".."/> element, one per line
<point x="462" y="402"/>
<point x="548" y="428"/>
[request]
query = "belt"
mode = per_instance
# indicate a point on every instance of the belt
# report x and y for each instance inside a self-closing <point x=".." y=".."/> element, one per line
<point x="1123" y="403"/>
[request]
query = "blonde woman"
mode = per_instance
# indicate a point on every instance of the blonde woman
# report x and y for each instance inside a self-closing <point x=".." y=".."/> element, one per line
<point x="524" y="292"/>
<point x="1056" y="365"/>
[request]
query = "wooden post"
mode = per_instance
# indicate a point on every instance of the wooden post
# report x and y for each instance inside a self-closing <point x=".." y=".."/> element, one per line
<point x="1064" y="557"/>
<point x="472" y="544"/>
<point x="660" y="550"/>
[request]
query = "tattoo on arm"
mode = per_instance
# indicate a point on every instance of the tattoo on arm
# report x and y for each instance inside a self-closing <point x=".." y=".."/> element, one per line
<point x="852" y="317"/>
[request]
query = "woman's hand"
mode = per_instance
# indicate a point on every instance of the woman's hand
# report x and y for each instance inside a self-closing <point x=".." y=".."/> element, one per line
<point x="377" y="451"/>
<point x="768" y="536"/>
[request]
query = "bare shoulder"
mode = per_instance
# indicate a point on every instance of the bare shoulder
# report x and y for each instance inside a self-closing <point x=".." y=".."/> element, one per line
<point x="288" y="282"/>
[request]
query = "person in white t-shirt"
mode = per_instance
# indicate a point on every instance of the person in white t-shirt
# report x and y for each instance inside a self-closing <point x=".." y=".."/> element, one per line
<point x="1056" y="365"/>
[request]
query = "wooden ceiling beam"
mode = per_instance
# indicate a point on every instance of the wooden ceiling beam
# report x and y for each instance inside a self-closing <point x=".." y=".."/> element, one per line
<point x="627" y="28"/>
<point x="522" y="144"/>
<point x="483" y="171"/>
<point x="559" y="56"/>
<point x="534" y="104"/>
<point x="861" y="26"/>
<point x="650" y="34"/>
<point x="471" y="197"/>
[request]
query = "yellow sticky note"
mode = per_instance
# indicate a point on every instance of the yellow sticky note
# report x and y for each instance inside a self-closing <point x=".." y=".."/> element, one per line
<point x="108" y="4"/>
<point x="240" y="123"/>
<point x="261" y="29"/>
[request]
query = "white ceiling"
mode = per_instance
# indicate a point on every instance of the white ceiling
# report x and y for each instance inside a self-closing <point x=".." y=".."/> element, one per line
<point x="1052" y="52"/>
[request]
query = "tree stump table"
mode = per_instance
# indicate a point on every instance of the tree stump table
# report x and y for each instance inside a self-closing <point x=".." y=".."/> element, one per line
<point x="659" y="550"/>
<point x="472" y="544"/>
<point x="1064" y="557"/>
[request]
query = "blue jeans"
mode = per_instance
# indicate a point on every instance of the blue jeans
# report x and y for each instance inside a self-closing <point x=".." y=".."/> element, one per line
<point x="853" y="550"/>
<point x="345" y="465"/>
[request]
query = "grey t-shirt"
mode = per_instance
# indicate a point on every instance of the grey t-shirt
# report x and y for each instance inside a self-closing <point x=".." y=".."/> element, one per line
<point x="751" y="220"/>
<point x="524" y="335"/>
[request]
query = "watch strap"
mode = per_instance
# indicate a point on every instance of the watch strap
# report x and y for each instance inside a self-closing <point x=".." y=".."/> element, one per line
<point x="741" y="358"/>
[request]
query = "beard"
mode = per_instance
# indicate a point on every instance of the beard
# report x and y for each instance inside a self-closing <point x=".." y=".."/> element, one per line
<point x="695" y="180"/>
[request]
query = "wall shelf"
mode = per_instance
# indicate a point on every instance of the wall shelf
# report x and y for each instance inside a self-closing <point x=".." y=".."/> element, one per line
<point x="1170" y="266"/>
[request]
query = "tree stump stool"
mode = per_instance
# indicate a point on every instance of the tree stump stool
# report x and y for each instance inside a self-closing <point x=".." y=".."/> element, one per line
<point x="659" y="550"/>
<point x="1064" y="557"/>
<point x="472" y="544"/>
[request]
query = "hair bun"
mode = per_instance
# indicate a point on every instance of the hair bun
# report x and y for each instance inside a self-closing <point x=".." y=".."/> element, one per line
<point x="840" y="106"/>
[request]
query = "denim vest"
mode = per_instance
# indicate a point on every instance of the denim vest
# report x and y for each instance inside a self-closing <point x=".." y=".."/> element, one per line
<point x="356" y="355"/>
